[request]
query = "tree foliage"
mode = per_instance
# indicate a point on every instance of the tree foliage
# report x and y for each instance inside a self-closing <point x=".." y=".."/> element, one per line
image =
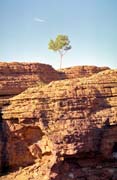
<point x="61" y="44"/>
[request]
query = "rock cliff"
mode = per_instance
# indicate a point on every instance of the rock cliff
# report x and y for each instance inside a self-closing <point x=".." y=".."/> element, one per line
<point x="65" y="130"/>
<point x="80" y="71"/>
<point x="16" y="77"/>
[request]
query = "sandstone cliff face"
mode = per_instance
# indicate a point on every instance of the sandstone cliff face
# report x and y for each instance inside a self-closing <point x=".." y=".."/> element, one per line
<point x="16" y="77"/>
<point x="68" y="128"/>
<point x="80" y="71"/>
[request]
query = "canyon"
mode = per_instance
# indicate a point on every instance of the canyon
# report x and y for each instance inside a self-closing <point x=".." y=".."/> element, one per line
<point x="57" y="125"/>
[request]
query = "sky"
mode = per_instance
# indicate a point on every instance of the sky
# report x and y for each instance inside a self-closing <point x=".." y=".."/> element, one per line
<point x="26" y="27"/>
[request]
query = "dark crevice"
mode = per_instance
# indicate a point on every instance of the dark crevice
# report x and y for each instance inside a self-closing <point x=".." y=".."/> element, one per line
<point x="115" y="148"/>
<point x="3" y="152"/>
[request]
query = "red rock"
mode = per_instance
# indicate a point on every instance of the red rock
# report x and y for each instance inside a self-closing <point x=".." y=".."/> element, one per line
<point x="74" y="121"/>
<point x="16" y="77"/>
<point x="80" y="71"/>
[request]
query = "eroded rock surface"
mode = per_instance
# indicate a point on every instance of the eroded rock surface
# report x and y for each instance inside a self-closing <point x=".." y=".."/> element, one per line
<point x="80" y="71"/>
<point x="65" y="130"/>
<point x="16" y="77"/>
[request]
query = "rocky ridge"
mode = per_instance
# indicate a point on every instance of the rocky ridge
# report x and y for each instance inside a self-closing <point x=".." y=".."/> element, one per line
<point x="16" y="77"/>
<point x="66" y="129"/>
<point x="80" y="71"/>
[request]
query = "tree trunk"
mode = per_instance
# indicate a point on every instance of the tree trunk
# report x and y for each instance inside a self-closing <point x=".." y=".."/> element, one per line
<point x="61" y="57"/>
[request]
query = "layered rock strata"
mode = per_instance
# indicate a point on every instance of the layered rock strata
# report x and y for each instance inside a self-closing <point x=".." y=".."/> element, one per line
<point x="68" y="128"/>
<point x="16" y="77"/>
<point x="80" y="71"/>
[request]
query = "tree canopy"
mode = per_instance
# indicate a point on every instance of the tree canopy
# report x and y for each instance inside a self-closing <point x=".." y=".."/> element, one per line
<point x="61" y="44"/>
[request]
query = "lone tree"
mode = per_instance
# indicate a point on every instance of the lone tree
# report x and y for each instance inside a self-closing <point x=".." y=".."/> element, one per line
<point x="60" y="45"/>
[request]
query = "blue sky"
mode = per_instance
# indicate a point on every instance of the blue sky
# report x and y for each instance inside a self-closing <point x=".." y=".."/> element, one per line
<point x="26" y="26"/>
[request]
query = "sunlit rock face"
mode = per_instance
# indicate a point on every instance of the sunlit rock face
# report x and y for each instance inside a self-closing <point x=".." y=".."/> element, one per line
<point x="80" y="71"/>
<point x="65" y="130"/>
<point x="16" y="77"/>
